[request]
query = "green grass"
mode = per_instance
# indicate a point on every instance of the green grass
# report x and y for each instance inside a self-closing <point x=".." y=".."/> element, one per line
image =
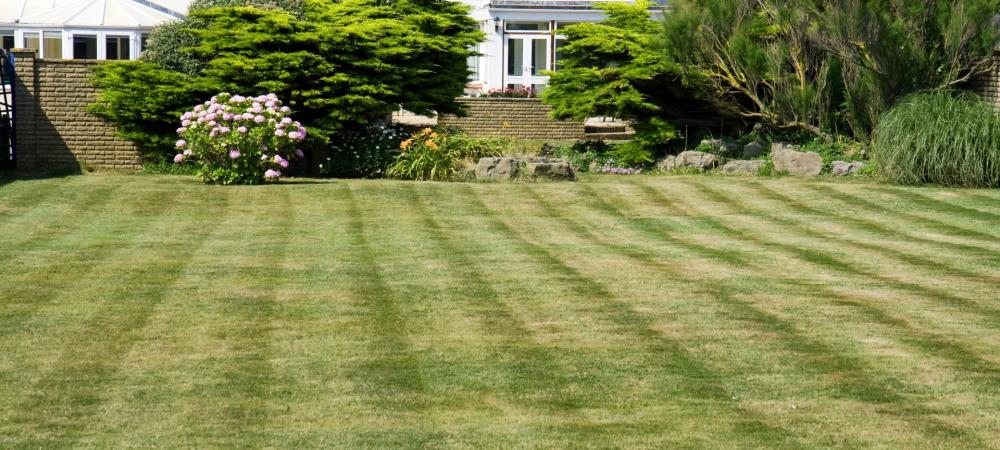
<point x="623" y="312"/>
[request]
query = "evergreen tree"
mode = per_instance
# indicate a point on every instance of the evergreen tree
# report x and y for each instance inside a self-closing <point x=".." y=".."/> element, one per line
<point x="335" y="63"/>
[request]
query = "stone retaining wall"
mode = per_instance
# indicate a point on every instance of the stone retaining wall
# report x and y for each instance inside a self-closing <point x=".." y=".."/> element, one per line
<point x="512" y="117"/>
<point x="54" y="129"/>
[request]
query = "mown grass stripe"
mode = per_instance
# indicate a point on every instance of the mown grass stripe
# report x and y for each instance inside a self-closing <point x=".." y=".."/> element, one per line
<point x="68" y="395"/>
<point x="77" y="255"/>
<point x="856" y="201"/>
<point x="854" y="375"/>
<point x="700" y="381"/>
<point x="870" y="226"/>
<point x="392" y="378"/>
<point x="24" y="233"/>
<point x="828" y="260"/>
<point x="933" y="343"/>
<point x="533" y="368"/>
<point x="930" y="203"/>
<point x="27" y="192"/>
<point x="250" y="376"/>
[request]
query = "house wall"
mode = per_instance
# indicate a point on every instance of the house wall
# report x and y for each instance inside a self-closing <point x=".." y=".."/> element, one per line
<point x="512" y="117"/>
<point x="53" y="128"/>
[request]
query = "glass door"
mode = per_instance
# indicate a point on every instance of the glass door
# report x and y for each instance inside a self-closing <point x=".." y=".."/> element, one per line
<point x="527" y="57"/>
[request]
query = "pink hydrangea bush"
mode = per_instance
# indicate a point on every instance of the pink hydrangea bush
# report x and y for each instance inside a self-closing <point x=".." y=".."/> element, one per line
<point x="240" y="140"/>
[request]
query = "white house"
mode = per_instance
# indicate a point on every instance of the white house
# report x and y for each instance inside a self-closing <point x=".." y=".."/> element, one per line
<point x="84" y="29"/>
<point x="522" y="39"/>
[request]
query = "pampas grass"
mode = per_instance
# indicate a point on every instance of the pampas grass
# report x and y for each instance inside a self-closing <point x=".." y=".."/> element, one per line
<point x="942" y="138"/>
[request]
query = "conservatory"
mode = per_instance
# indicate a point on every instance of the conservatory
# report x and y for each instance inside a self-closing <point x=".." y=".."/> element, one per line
<point x="84" y="29"/>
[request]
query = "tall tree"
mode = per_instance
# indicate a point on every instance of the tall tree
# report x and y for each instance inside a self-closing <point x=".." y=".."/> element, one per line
<point x="826" y="65"/>
<point x="336" y="63"/>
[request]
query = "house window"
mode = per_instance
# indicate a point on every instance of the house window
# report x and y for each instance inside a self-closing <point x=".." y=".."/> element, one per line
<point x="31" y="41"/>
<point x="117" y="47"/>
<point x="84" y="47"/>
<point x="143" y="40"/>
<point x="474" y="68"/>
<point x="7" y="39"/>
<point x="52" y="45"/>
<point x="527" y="26"/>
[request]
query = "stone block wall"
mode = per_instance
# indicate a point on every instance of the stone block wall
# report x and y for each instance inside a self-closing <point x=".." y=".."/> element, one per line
<point x="512" y="117"/>
<point x="988" y="85"/>
<point x="53" y="128"/>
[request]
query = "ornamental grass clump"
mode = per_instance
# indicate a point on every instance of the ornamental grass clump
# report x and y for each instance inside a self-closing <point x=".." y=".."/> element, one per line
<point x="940" y="138"/>
<point x="240" y="140"/>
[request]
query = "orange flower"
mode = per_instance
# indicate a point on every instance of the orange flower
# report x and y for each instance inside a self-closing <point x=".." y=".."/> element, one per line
<point x="403" y="145"/>
<point x="431" y="144"/>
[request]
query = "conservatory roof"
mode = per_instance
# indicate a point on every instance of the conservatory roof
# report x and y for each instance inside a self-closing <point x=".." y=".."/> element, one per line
<point x="91" y="13"/>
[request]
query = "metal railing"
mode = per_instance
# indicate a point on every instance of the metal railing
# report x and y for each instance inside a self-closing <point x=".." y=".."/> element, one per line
<point x="8" y="154"/>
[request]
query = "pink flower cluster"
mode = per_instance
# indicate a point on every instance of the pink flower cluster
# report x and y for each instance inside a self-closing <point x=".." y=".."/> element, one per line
<point x="241" y="134"/>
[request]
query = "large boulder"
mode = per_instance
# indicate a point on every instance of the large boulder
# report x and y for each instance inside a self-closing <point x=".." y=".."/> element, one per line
<point x="549" y="168"/>
<point x="690" y="159"/>
<point x="510" y="168"/>
<point x="845" y="168"/>
<point x="800" y="164"/>
<point x="496" y="169"/>
<point x="744" y="167"/>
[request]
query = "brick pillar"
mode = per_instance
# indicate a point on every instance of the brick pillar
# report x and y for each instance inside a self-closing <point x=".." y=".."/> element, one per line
<point x="26" y="107"/>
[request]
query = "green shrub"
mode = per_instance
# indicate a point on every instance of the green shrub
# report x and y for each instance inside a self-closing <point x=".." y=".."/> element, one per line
<point x="833" y="150"/>
<point x="340" y="64"/>
<point x="463" y="146"/>
<point x="940" y="138"/>
<point x="424" y="156"/>
<point x="363" y="152"/>
<point x="581" y="155"/>
<point x="239" y="140"/>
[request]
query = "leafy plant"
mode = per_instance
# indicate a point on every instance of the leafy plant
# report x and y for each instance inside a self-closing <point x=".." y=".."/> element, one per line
<point x="363" y="152"/>
<point x="463" y="146"/>
<point x="941" y="138"/>
<point x="239" y="140"/>
<point x="424" y="156"/>
<point x="584" y="154"/>
<point x="834" y="150"/>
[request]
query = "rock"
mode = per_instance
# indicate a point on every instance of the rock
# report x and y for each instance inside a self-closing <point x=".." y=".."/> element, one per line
<point x="801" y="164"/>
<point x="714" y="144"/>
<point x="781" y="146"/>
<point x="845" y="168"/>
<point x="753" y="150"/>
<point x="689" y="160"/>
<point x="508" y="168"/>
<point x="667" y="164"/>
<point x="553" y="169"/>
<point x="720" y="147"/>
<point x="496" y="169"/>
<point x="746" y="167"/>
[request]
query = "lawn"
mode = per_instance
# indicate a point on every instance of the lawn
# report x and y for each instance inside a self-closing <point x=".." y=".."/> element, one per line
<point x="628" y="312"/>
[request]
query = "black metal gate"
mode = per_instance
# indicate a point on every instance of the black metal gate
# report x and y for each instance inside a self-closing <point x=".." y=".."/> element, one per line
<point x="8" y="155"/>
